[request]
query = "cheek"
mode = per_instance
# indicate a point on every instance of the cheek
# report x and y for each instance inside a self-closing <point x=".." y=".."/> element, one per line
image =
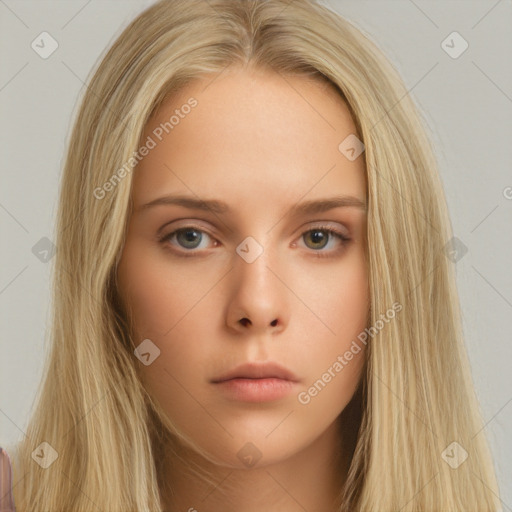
<point x="348" y="302"/>
<point x="329" y="391"/>
<point x="336" y="356"/>
<point x="158" y="298"/>
<point x="338" y="298"/>
<point x="170" y="309"/>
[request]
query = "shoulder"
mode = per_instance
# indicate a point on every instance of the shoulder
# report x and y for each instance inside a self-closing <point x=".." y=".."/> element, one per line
<point x="6" y="498"/>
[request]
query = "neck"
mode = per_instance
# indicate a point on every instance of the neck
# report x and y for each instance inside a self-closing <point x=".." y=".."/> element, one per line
<point x="311" y="479"/>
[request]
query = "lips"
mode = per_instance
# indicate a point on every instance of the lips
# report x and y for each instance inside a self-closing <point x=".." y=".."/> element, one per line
<point x="266" y="370"/>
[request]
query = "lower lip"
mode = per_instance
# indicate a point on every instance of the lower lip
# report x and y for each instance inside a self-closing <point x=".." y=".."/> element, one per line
<point x="256" y="390"/>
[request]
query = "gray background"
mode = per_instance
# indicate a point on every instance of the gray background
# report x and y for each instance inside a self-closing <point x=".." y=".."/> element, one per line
<point x="467" y="105"/>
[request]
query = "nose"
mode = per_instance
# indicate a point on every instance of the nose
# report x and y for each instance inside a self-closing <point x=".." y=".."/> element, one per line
<point x="258" y="296"/>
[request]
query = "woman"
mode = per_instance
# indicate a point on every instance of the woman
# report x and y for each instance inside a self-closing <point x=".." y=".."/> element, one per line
<point x="307" y="354"/>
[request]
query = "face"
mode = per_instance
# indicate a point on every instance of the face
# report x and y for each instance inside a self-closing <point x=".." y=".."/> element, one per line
<point x="255" y="279"/>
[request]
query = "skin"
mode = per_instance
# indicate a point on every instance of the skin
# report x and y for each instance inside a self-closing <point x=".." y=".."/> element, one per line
<point x="262" y="144"/>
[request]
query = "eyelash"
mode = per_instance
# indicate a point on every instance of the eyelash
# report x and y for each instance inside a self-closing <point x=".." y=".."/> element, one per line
<point x="320" y="253"/>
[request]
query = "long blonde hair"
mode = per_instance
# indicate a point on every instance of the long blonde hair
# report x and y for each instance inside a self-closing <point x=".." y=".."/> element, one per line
<point x="416" y="396"/>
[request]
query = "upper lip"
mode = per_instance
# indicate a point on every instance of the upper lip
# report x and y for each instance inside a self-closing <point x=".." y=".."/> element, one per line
<point x="258" y="371"/>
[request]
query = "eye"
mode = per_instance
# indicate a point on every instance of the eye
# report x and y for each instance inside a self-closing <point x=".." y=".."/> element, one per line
<point x="321" y="236"/>
<point x="189" y="239"/>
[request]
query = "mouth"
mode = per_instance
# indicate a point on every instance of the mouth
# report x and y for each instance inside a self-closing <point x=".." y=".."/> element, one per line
<point x="267" y="370"/>
<point x="256" y="390"/>
<point x="257" y="382"/>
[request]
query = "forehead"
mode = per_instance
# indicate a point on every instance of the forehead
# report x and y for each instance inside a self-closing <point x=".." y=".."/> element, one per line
<point x="253" y="136"/>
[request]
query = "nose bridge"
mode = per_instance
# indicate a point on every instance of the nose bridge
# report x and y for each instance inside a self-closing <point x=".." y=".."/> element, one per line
<point x="254" y="258"/>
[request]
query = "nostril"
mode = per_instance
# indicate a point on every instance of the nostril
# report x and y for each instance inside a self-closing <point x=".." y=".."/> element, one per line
<point x="244" y="321"/>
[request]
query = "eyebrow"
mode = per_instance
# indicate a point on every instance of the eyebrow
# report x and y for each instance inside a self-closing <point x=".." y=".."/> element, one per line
<point x="215" y="206"/>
